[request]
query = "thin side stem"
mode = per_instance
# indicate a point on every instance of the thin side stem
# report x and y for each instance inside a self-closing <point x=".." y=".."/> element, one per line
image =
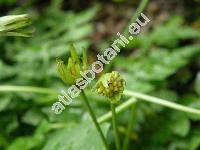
<point x="137" y="13"/>
<point x="130" y="126"/>
<point x="118" y="109"/>
<point x="114" y="122"/>
<point x="147" y="98"/>
<point x="161" y="102"/>
<point x="94" y="120"/>
<point x="107" y="116"/>
<point x="30" y="89"/>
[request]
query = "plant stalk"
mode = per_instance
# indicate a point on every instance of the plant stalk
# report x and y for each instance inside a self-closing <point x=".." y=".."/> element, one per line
<point x="92" y="115"/>
<point x="137" y="13"/>
<point x="130" y="126"/>
<point x="120" y="108"/>
<point x="28" y="89"/>
<point x="162" y="102"/>
<point x="114" y="122"/>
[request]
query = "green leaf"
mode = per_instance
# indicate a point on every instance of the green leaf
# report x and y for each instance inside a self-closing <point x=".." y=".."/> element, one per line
<point x="32" y="117"/>
<point x="25" y="142"/>
<point x="30" y="142"/>
<point x="195" y="141"/>
<point x="82" y="137"/>
<point x="180" y="124"/>
<point x="4" y="103"/>
<point x="159" y="63"/>
<point x="197" y="84"/>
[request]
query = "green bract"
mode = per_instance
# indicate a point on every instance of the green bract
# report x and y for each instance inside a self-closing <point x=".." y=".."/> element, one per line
<point x="111" y="85"/>
<point x="71" y="71"/>
<point x="14" y="25"/>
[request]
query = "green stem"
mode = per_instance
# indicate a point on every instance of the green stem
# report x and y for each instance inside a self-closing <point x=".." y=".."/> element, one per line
<point x="118" y="109"/>
<point x="150" y="99"/>
<point x="114" y="122"/>
<point x="107" y="116"/>
<point x="137" y="13"/>
<point x="130" y="126"/>
<point x="94" y="120"/>
<point x="13" y="88"/>
<point x="161" y="102"/>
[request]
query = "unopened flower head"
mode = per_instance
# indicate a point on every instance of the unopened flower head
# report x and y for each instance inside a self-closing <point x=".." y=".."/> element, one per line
<point x="111" y="85"/>
<point x="71" y="71"/>
<point x="16" y="25"/>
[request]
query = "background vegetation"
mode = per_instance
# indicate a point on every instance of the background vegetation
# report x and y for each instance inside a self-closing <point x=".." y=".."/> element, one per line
<point x="163" y="61"/>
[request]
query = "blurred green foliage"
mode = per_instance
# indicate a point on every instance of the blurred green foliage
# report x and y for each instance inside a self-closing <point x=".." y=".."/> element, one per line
<point x="163" y="62"/>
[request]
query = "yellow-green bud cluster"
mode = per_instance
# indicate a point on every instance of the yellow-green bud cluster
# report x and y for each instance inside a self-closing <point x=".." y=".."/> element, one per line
<point x="111" y="85"/>
<point x="71" y="71"/>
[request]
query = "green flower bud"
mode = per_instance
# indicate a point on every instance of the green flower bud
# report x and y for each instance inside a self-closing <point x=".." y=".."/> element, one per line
<point x="111" y="85"/>
<point x="15" y="25"/>
<point x="71" y="71"/>
<point x="62" y="69"/>
<point x="84" y="60"/>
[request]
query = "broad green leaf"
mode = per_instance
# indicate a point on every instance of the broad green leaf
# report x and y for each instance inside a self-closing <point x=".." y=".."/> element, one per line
<point x="180" y="125"/>
<point x="82" y="137"/>
<point x="30" y="142"/>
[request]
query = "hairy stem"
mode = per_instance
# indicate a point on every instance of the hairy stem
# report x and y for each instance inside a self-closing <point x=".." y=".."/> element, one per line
<point x="94" y="120"/>
<point x="114" y="122"/>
